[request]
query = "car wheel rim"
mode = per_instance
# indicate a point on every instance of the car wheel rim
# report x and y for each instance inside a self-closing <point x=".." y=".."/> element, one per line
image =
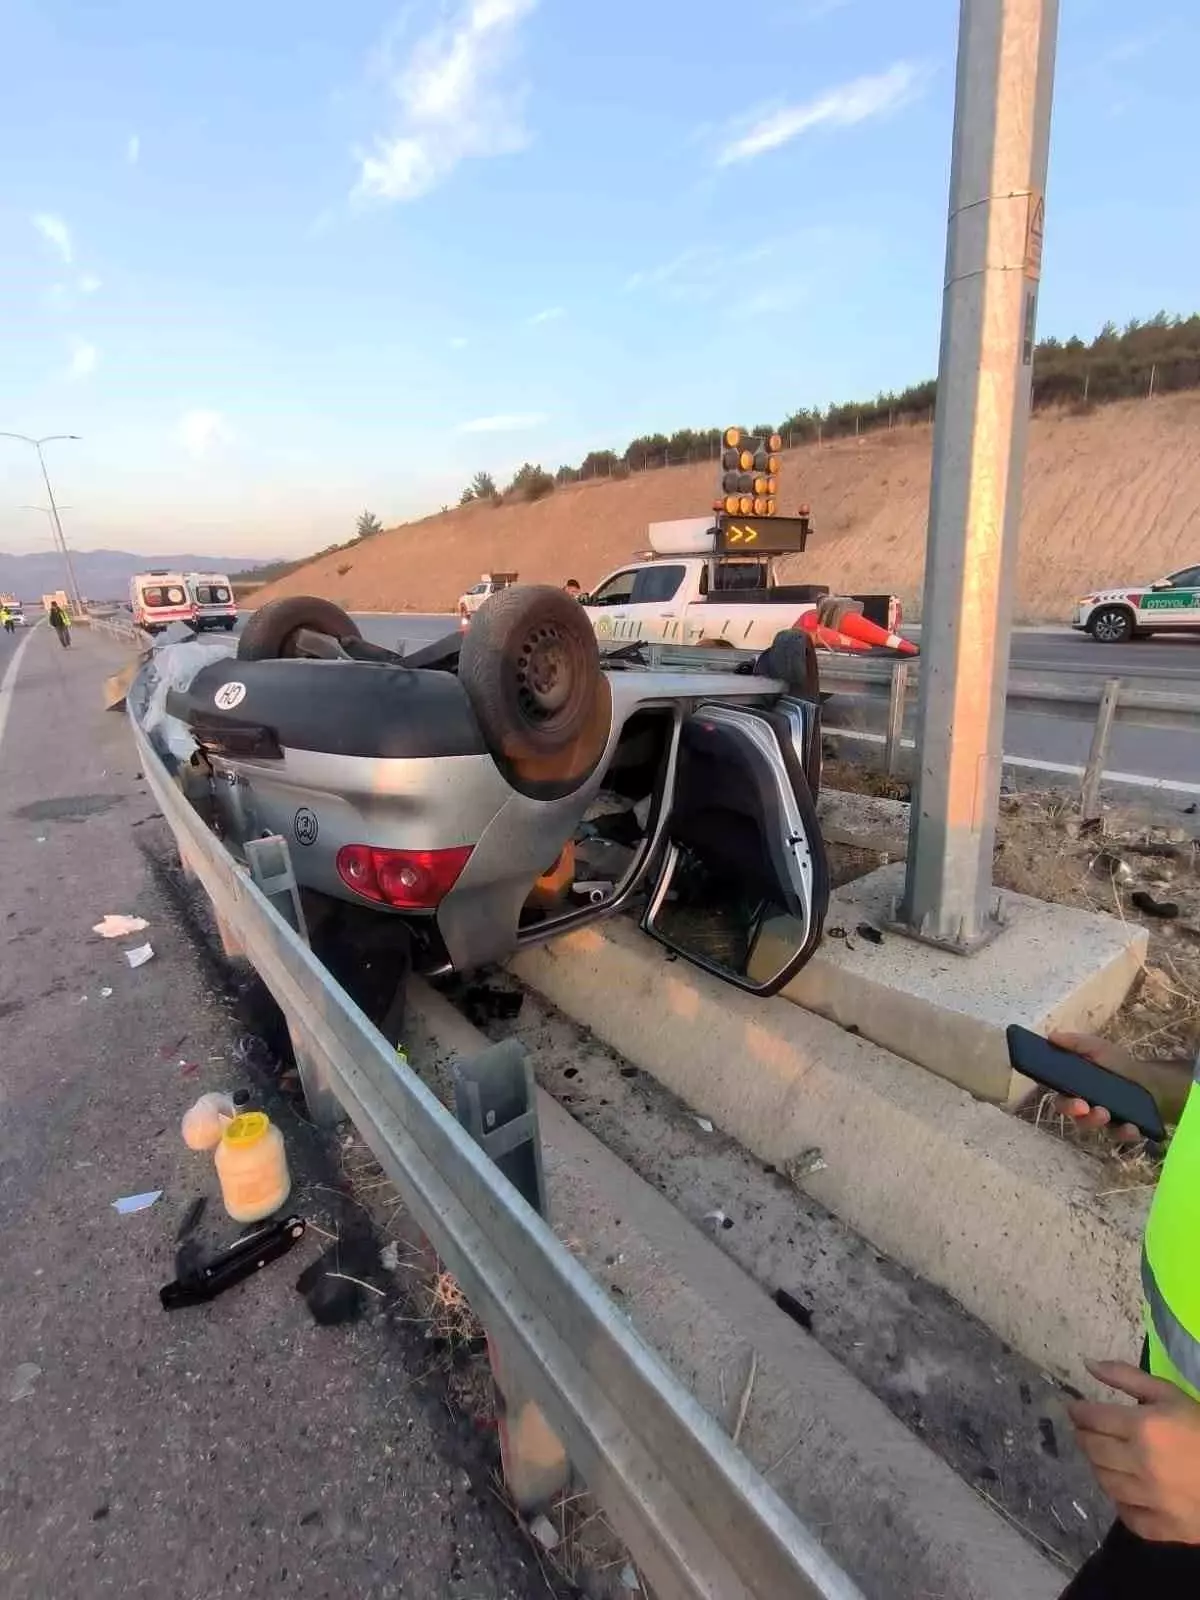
<point x="545" y="678"/>
<point x="1110" y="626"/>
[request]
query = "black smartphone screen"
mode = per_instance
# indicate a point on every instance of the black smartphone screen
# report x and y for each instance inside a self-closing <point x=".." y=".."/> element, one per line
<point x="1067" y="1073"/>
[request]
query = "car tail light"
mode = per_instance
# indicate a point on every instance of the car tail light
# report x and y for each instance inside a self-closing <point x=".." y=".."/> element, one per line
<point x="410" y="880"/>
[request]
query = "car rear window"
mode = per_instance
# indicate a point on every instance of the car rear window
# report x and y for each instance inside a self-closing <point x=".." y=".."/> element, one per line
<point x="212" y="594"/>
<point x="164" y="594"/>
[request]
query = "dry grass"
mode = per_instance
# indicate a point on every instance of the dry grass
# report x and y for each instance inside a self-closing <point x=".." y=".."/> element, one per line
<point x="1109" y="497"/>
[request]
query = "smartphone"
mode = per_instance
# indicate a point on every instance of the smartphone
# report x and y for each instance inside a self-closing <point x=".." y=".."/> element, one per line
<point x="1067" y="1073"/>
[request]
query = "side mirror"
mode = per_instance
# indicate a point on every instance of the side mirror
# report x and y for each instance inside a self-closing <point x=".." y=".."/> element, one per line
<point x="1162" y="583"/>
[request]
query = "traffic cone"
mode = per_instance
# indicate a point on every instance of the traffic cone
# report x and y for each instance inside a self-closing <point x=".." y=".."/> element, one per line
<point x="870" y="633"/>
<point x="831" y="638"/>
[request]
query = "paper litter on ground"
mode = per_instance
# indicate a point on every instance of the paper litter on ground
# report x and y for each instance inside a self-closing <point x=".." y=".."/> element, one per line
<point x="115" y="926"/>
<point x="139" y="956"/>
<point x="136" y="1202"/>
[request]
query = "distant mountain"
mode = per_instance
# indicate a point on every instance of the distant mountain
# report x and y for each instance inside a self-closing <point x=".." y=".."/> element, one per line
<point x="102" y="574"/>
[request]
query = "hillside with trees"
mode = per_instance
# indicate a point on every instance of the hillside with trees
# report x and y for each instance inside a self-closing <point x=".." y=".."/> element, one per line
<point x="1112" y="494"/>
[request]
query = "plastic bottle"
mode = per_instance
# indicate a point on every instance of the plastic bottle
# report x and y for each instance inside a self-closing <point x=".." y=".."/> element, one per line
<point x="204" y="1122"/>
<point x="252" y="1167"/>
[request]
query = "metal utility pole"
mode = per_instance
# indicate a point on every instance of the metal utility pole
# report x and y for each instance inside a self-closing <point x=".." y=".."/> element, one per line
<point x="989" y="309"/>
<point x="50" y="438"/>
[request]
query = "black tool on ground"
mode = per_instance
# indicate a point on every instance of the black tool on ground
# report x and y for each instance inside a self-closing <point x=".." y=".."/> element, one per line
<point x="199" y="1281"/>
<point x="1067" y="1073"/>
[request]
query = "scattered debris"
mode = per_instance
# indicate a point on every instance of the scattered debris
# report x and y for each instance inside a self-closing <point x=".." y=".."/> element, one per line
<point x="744" y="1403"/>
<point x="23" y="1379"/>
<point x="116" y="926"/>
<point x="333" y="1286"/>
<point x="129" y="1203"/>
<point x="105" y="994"/>
<point x="140" y="956"/>
<point x="871" y="934"/>
<point x="629" y="1579"/>
<point x="484" y="1002"/>
<point x="802" y="1166"/>
<point x="1106" y="864"/>
<point x="544" y="1531"/>
<point x="718" y="1219"/>
<point x="1150" y="907"/>
<point x="389" y="1256"/>
<point x="1049" y="1437"/>
<point x="794" y="1308"/>
<point x="703" y="1124"/>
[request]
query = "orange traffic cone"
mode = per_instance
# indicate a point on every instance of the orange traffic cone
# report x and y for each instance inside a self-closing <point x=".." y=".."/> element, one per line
<point x="857" y="626"/>
<point x="831" y="638"/>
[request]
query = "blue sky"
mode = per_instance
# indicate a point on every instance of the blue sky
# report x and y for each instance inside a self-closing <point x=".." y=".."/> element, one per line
<point x="277" y="262"/>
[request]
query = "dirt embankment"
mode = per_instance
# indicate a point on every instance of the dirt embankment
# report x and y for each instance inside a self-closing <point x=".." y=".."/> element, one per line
<point x="1111" y="496"/>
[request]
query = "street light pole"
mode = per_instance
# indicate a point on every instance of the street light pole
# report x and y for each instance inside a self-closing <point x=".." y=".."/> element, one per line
<point x="993" y="265"/>
<point x="51" y="438"/>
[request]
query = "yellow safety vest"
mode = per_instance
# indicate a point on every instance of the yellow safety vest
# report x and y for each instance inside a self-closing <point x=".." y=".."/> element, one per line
<point x="1171" y="1260"/>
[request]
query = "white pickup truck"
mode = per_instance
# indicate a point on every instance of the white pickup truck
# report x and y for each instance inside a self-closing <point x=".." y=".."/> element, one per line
<point x="688" y="593"/>
<point x="489" y="584"/>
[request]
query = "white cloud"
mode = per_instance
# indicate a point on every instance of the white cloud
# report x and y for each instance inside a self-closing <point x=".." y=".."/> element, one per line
<point x="133" y="150"/>
<point x="55" y="231"/>
<point x="84" y="359"/>
<point x="198" y="431"/>
<point x="840" y="107"/>
<point x="551" y="314"/>
<point x="89" y="283"/>
<point x="453" y="99"/>
<point x="506" y="422"/>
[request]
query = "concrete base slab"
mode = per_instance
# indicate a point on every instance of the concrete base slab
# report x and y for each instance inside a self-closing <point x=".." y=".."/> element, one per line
<point x="1022" y="1230"/>
<point x="1050" y="967"/>
<point x="881" y="1503"/>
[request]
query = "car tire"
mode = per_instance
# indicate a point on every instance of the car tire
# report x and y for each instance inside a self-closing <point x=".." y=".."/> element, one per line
<point x="271" y="630"/>
<point x="1111" y="625"/>
<point x="792" y="657"/>
<point x="530" y="666"/>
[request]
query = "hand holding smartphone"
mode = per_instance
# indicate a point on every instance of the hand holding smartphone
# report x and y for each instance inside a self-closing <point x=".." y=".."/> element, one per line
<point x="1069" y="1074"/>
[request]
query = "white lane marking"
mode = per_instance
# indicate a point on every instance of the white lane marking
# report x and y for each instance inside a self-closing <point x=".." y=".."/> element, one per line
<point x="1134" y="780"/>
<point x="10" y="679"/>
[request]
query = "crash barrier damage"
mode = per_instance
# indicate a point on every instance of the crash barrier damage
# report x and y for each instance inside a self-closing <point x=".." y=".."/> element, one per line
<point x="696" y="1516"/>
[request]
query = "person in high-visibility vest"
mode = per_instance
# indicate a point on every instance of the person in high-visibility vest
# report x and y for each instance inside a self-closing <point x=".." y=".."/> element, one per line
<point x="60" y="621"/>
<point x="6" y="617"/>
<point x="1146" y="1457"/>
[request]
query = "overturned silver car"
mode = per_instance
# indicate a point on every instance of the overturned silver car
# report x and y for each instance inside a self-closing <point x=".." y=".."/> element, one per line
<point x="510" y="782"/>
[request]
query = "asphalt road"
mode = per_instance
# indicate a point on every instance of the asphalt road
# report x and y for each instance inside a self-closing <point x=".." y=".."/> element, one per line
<point x="237" y="1448"/>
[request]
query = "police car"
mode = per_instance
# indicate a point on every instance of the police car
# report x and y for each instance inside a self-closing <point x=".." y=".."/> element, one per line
<point x="1168" y="605"/>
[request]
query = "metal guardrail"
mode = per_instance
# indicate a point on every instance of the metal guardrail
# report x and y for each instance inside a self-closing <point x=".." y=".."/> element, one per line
<point x="698" y="1519"/>
<point x="855" y="682"/>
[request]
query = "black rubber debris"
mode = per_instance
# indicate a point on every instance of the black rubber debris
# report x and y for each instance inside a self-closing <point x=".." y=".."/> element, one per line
<point x="794" y="1308"/>
<point x="1146" y="903"/>
<point x="870" y="934"/>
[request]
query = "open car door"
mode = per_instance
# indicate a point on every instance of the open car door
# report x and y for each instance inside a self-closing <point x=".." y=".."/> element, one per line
<point x="744" y="885"/>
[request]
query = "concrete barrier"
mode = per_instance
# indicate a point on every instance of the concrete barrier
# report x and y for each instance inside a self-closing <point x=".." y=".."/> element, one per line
<point x="1018" y="1227"/>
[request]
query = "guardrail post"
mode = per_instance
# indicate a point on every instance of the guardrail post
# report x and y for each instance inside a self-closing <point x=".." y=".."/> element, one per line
<point x="1089" y="799"/>
<point x="324" y="1107"/>
<point x="495" y="1099"/>
<point x="897" y="703"/>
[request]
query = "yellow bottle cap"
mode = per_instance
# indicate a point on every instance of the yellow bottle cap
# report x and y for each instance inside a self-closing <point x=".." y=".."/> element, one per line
<point x="247" y="1129"/>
